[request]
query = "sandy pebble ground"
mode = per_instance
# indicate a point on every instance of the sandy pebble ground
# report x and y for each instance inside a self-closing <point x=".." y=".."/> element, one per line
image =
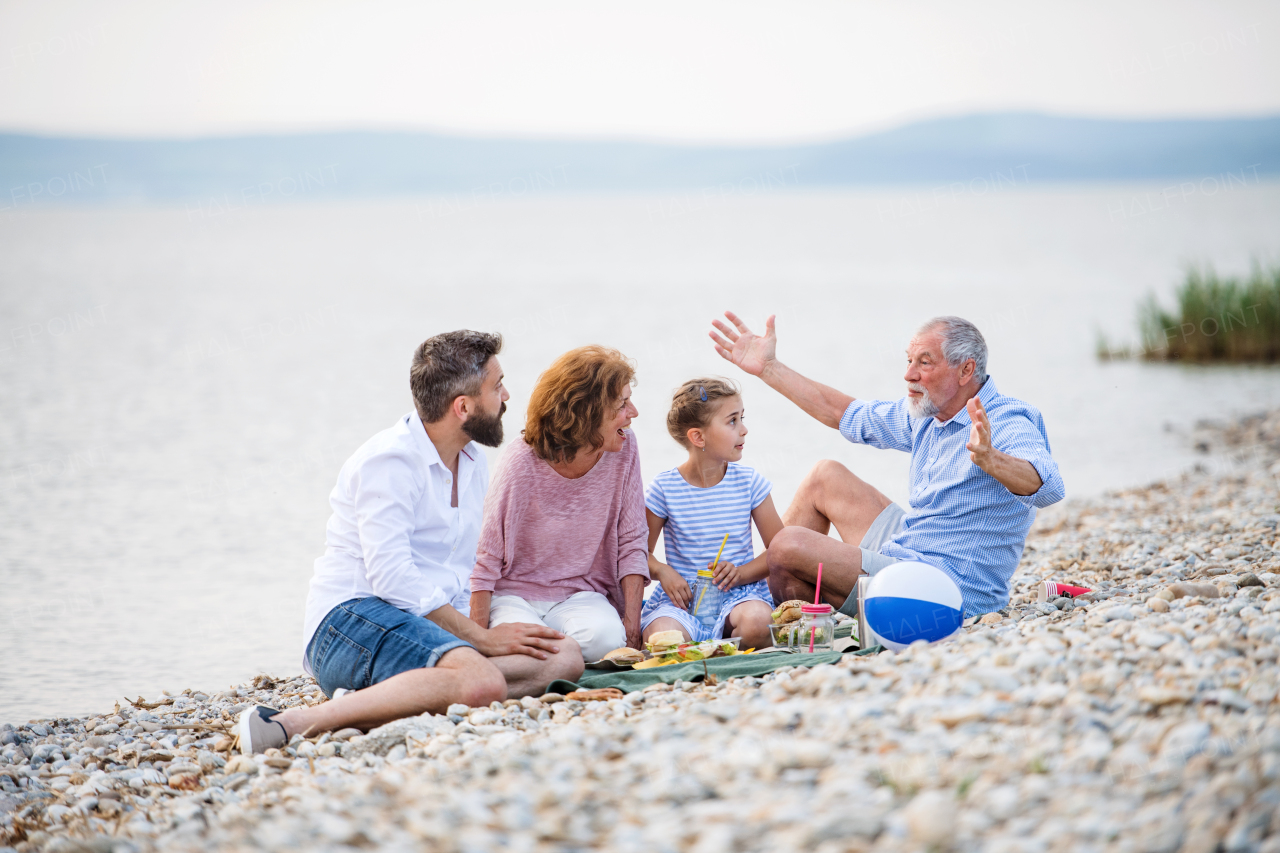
<point x="1142" y="717"/>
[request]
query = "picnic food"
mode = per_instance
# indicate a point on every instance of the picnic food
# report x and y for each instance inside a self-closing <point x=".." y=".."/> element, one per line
<point x="624" y="655"/>
<point x="787" y="611"/>
<point x="683" y="652"/>
<point x="664" y="641"/>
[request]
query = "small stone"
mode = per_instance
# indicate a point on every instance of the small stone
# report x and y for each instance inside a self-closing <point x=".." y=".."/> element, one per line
<point x="1151" y="639"/>
<point x="1248" y="579"/>
<point x="1159" y="605"/>
<point x="1119" y="613"/>
<point x="1163" y="695"/>
<point x="931" y="818"/>
<point x="241" y="764"/>
<point x="483" y="717"/>
<point x="457" y="709"/>
<point x="347" y="734"/>
<point x="185" y="781"/>
<point x="1184" y="741"/>
<point x="603" y="694"/>
<point x="991" y="619"/>
<point x="1186" y="589"/>
<point x="551" y="698"/>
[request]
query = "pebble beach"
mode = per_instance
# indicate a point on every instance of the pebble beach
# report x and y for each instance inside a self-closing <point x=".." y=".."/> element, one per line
<point x="1139" y="717"/>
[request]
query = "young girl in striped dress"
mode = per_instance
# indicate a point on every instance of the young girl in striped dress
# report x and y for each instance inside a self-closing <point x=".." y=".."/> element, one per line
<point x="694" y="505"/>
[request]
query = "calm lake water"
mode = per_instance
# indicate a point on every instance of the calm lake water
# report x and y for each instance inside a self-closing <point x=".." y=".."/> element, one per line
<point x="181" y="389"/>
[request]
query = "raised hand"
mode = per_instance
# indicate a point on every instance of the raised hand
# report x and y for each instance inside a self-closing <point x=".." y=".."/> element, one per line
<point x="979" y="446"/>
<point x="1019" y="476"/>
<point x="744" y="348"/>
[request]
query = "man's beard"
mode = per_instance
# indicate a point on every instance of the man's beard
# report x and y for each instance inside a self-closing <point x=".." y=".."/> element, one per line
<point x="485" y="429"/>
<point x="924" y="407"/>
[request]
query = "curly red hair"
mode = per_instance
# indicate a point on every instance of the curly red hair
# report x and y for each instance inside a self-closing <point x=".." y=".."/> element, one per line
<point x="573" y="397"/>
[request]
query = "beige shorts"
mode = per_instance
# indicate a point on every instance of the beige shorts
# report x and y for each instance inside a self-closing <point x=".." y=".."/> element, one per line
<point x="887" y="525"/>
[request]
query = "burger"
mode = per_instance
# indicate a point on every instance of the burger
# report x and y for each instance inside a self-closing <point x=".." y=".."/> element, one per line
<point x="664" y="642"/>
<point x="669" y="647"/>
<point x="787" y="611"/>
<point x="624" y="655"/>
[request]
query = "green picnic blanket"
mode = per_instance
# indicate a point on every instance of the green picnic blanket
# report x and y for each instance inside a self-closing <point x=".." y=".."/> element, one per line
<point x="723" y="668"/>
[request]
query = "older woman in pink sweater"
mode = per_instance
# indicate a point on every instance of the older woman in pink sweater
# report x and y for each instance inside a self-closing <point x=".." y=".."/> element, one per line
<point x="564" y="539"/>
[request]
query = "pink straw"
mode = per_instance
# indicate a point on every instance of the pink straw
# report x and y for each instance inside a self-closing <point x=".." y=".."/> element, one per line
<point x="817" y="597"/>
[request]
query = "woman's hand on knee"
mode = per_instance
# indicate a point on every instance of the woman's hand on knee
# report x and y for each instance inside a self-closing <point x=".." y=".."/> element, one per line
<point x="519" y="638"/>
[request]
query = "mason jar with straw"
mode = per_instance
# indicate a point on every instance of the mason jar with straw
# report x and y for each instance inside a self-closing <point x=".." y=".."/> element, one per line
<point x="817" y="621"/>
<point x="707" y="597"/>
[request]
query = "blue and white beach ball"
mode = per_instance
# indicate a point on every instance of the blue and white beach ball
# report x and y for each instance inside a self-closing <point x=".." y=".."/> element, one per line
<point x="906" y="602"/>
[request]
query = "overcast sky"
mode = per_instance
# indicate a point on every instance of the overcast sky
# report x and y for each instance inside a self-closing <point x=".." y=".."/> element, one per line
<point x="736" y="71"/>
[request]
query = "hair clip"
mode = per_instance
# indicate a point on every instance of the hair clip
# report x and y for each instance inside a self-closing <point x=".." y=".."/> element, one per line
<point x="704" y="393"/>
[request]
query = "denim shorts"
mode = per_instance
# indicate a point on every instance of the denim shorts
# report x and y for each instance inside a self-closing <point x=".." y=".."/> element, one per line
<point x="365" y="640"/>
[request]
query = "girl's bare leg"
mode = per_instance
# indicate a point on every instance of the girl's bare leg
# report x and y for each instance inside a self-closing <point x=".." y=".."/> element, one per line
<point x="664" y="623"/>
<point x="750" y="620"/>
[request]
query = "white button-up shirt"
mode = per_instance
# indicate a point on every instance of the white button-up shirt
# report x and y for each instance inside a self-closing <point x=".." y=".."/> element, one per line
<point x="393" y="533"/>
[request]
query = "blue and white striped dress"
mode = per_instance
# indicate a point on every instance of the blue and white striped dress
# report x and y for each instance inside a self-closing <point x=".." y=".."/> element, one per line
<point x="697" y="519"/>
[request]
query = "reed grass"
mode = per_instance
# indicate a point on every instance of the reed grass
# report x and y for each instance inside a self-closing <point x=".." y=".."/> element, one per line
<point x="1214" y="319"/>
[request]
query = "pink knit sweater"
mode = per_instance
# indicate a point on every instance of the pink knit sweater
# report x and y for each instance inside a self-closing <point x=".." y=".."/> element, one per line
<point x="545" y="537"/>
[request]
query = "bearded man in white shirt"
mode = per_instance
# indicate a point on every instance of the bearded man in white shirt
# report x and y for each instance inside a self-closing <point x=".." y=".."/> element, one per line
<point x="387" y="613"/>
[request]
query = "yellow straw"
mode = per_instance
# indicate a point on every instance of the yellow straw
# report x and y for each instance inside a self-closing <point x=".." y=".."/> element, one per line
<point x="716" y="563"/>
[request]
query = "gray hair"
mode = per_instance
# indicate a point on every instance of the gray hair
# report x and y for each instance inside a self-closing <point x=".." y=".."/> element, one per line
<point x="961" y="341"/>
<point x="449" y="366"/>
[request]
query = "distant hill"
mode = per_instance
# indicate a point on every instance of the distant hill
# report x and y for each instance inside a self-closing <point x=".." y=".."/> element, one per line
<point x="1004" y="149"/>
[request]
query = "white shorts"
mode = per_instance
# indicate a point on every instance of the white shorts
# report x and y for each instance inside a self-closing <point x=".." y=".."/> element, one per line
<point x="588" y="617"/>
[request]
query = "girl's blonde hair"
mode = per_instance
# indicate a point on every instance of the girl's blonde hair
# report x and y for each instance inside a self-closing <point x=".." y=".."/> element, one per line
<point x="693" y="404"/>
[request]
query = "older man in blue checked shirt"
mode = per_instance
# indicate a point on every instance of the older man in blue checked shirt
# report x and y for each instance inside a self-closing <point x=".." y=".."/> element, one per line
<point x="980" y="467"/>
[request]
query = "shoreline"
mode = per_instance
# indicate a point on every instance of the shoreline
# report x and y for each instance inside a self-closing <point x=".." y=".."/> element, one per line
<point x="1111" y="722"/>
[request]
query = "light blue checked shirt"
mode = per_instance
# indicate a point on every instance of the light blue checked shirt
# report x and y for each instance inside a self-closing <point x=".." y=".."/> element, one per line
<point x="962" y="519"/>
